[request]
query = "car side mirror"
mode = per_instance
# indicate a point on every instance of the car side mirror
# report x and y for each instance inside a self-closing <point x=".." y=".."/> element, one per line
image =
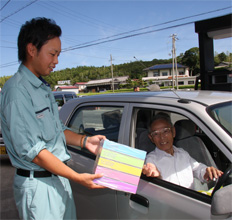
<point x="221" y="202"/>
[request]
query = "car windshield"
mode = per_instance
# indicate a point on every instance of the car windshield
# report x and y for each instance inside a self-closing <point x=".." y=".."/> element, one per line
<point x="68" y="97"/>
<point x="59" y="100"/>
<point x="222" y="113"/>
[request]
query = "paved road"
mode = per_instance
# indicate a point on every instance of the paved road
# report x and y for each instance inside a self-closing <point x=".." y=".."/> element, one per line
<point x="7" y="206"/>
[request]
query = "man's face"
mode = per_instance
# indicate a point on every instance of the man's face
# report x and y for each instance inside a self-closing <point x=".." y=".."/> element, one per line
<point x="162" y="134"/>
<point x="43" y="62"/>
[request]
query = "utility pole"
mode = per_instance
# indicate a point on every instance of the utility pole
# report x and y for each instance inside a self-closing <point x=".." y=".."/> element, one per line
<point x="174" y="61"/>
<point x="112" y="72"/>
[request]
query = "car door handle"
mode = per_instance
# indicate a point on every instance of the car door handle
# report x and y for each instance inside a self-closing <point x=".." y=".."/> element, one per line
<point x="140" y="200"/>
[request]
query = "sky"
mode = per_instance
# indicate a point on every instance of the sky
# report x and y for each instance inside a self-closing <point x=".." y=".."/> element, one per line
<point x="93" y="30"/>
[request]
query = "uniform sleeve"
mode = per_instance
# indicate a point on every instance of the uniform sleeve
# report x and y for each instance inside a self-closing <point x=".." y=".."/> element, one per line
<point x="23" y="124"/>
<point x="64" y="127"/>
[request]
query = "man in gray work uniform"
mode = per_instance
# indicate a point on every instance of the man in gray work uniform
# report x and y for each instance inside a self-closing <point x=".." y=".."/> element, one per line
<point x="35" y="137"/>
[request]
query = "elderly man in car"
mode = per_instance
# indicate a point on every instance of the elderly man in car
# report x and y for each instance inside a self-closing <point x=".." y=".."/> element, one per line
<point x="171" y="163"/>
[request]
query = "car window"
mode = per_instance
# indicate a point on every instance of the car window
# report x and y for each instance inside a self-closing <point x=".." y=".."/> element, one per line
<point x="59" y="99"/>
<point x="68" y="96"/>
<point x="189" y="136"/>
<point x="94" y="120"/>
<point x="221" y="113"/>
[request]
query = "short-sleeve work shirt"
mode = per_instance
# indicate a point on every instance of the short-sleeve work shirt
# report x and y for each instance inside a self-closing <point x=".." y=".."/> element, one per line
<point x="30" y="120"/>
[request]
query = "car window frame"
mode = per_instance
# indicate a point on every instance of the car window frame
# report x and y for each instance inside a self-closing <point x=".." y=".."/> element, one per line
<point x="68" y="96"/>
<point x="84" y="152"/>
<point x="190" y="115"/>
<point x="60" y="99"/>
<point x="210" y="112"/>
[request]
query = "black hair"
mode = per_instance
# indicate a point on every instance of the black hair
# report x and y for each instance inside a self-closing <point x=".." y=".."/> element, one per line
<point x="36" y="31"/>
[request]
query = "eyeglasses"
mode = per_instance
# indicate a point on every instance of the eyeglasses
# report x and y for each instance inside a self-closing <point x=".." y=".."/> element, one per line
<point x="164" y="132"/>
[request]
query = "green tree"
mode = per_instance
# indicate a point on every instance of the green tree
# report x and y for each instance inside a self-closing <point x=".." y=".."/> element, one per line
<point x="129" y="83"/>
<point x="191" y="59"/>
<point x="3" y="80"/>
<point x="222" y="57"/>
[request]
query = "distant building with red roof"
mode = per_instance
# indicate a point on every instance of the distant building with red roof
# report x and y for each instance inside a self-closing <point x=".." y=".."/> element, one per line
<point x="67" y="88"/>
<point x="80" y="85"/>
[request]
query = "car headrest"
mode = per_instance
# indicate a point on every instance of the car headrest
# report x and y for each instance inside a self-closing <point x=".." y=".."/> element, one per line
<point x="184" y="129"/>
<point x="144" y="142"/>
<point x="143" y="118"/>
<point x="111" y="119"/>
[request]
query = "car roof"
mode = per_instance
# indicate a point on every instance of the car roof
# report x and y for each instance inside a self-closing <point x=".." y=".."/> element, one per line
<point x="62" y="92"/>
<point x="204" y="97"/>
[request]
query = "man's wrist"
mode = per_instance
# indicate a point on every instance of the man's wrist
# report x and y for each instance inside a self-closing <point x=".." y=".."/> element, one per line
<point x="84" y="141"/>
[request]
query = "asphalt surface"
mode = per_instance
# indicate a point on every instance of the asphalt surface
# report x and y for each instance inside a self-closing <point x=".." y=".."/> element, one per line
<point x="7" y="206"/>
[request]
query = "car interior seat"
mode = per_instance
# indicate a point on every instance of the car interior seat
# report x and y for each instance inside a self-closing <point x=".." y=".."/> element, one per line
<point x="111" y="119"/>
<point x="111" y="122"/>
<point x="143" y="142"/>
<point x="143" y="118"/>
<point x="186" y="139"/>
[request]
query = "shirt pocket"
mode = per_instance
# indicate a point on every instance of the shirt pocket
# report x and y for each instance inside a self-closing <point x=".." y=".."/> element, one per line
<point x="46" y="123"/>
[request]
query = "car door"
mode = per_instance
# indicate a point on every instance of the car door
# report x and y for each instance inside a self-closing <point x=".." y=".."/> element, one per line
<point x="159" y="199"/>
<point x="93" y="119"/>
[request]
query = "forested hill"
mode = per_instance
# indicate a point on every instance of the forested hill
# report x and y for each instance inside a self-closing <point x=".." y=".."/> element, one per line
<point x="85" y="73"/>
<point x="133" y="69"/>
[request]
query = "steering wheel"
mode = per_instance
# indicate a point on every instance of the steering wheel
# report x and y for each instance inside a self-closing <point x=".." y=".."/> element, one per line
<point x="223" y="179"/>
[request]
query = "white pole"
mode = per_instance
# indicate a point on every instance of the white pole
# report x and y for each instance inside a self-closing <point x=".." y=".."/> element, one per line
<point x="173" y="40"/>
<point x="112" y="73"/>
<point x="174" y="61"/>
<point x="176" y="72"/>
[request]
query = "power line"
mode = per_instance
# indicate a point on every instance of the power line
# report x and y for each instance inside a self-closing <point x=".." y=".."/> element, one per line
<point x="13" y="23"/>
<point x="167" y="22"/>
<point x="4" y="5"/>
<point x="9" y="64"/>
<point x="179" y="19"/>
<point x="120" y="38"/>
<point x="124" y="37"/>
<point x="103" y="40"/>
<point x="8" y="47"/>
<point x="67" y="12"/>
<point x="18" y="10"/>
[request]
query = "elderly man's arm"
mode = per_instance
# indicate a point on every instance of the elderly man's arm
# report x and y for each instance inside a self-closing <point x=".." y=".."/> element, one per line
<point x="150" y="170"/>
<point x="211" y="173"/>
<point x="204" y="173"/>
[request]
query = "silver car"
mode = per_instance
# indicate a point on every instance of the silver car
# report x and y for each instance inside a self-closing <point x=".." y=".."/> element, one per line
<point x="203" y="125"/>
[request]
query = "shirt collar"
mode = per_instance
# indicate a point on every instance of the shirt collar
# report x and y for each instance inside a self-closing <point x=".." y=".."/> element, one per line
<point x="44" y="81"/>
<point x="32" y="78"/>
<point x="163" y="153"/>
